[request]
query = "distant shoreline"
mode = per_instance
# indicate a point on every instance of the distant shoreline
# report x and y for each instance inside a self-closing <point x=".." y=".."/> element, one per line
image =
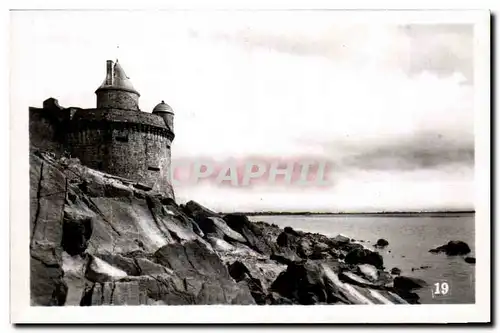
<point x="425" y="213"/>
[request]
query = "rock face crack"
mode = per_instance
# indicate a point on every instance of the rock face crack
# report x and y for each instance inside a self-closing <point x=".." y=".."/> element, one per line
<point x="38" y="207"/>
<point x="102" y="293"/>
<point x="96" y="209"/>
<point x="87" y="296"/>
<point x="151" y="204"/>
<point x="113" y="286"/>
<point x="136" y="263"/>
<point x="189" y="261"/>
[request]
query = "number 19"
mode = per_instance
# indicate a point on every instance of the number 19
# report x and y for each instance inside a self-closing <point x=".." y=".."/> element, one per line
<point x="441" y="288"/>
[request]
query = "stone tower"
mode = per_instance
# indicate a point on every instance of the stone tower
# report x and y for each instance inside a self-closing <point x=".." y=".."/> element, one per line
<point x="117" y="92"/>
<point x="116" y="137"/>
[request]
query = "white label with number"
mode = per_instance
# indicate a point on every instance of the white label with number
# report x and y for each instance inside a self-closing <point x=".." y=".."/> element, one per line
<point x="441" y="288"/>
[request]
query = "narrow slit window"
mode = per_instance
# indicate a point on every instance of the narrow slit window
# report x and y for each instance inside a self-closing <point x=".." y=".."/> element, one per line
<point x="151" y="168"/>
<point x="122" y="138"/>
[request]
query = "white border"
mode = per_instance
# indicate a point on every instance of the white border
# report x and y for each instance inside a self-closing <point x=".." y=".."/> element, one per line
<point x="22" y="312"/>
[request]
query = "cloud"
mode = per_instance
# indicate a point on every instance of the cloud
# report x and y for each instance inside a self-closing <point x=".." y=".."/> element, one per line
<point x="439" y="48"/>
<point x="425" y="151"/>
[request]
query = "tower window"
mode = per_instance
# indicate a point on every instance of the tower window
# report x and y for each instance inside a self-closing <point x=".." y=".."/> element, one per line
<point x="122" y="138"/>
<point x="151" y="168"/>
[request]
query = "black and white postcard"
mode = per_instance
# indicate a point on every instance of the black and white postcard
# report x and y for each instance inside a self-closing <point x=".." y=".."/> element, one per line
<point x="250" y="166"/>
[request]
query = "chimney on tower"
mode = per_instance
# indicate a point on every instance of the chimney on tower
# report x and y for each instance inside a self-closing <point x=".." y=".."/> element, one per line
<point x="109" y="72"/>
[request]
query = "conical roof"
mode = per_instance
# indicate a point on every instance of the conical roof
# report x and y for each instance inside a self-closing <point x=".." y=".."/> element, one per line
<point x="117" y="79"/>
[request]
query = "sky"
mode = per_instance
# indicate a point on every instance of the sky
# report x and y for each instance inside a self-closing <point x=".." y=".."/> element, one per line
<point x="388" y="105"/>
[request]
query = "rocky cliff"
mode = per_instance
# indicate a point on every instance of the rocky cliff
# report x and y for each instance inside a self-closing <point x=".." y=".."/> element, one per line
<point x="97" y="239"/>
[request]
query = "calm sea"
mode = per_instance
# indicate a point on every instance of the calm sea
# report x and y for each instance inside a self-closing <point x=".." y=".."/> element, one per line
<point x="410" y="239"/>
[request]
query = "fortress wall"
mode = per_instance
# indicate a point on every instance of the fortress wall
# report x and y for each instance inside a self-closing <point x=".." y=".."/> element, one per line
<point x="169" y="120"/>
<point x="126" y="150"/>
<point x="117" y="99"/>
<point x="91" y="146"/>
<point x="44" y="133"/>
<point x="157" y="160"/>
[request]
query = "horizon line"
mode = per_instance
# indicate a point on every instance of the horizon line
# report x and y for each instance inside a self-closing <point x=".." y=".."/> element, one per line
<point x="351" y="213"/>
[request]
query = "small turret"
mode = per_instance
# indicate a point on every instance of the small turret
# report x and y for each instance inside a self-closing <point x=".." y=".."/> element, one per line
<point x="117" y="91"/>
<point x="165" y="111"/>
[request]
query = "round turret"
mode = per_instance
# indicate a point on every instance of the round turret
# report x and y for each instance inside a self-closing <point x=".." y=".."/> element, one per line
<point x="117" y="92"/>
<point x="162" y="107"/>
<point x="166" y="112"/>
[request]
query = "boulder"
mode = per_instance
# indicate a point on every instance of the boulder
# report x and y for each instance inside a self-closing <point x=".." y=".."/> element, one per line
<point x="408" y="296"/>
<point x="219" y="244"/>
<point x="341" y="239"/>
<point x="171" y="221"/>
<point x="395" y="271"/>
<point x="100" y="271"/>
<point x="291" y="231"/>
<point x="285" y="257"/>
<point x="192" y="258"/>
<point x="305" y="248"/>
<point x="274" y="298"/>
<point x="218" y="226"/>
<point x="350" y="247"/>
<point x="252" y="233"/>
<point x="288" y="240"/>
<point x="405" y="283"/>
<point x="382" y="243"/>
<point x="364" y="256"/>
<point x="470" y="260"/>
<point x="293" y="241"/>
<point x="129" y="263"/>
<point x="239" y="272"/>
<point x="322" y="251"/>
<point x="197" y="211"/>
<point x="453" y="248"/>
<point x="321" y="247"/>
<point x="369" y="271"/>
<point x="303" y="283"/>
<point x="147" y="267"/>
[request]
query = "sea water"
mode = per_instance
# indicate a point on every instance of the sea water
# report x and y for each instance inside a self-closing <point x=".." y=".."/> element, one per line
<point x="450" y="279"/>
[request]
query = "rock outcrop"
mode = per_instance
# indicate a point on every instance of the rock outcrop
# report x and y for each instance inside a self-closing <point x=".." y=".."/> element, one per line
<point x="408" y="283"/>
<point x="395" y="271"/>
<point x="381" y="243"/>
<point x="470" y="260"/>
<point x="453" y="248"/>
<point x="97" y="239"/>
<point x="364" y="256"/>
<point x="47" y="201"/>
